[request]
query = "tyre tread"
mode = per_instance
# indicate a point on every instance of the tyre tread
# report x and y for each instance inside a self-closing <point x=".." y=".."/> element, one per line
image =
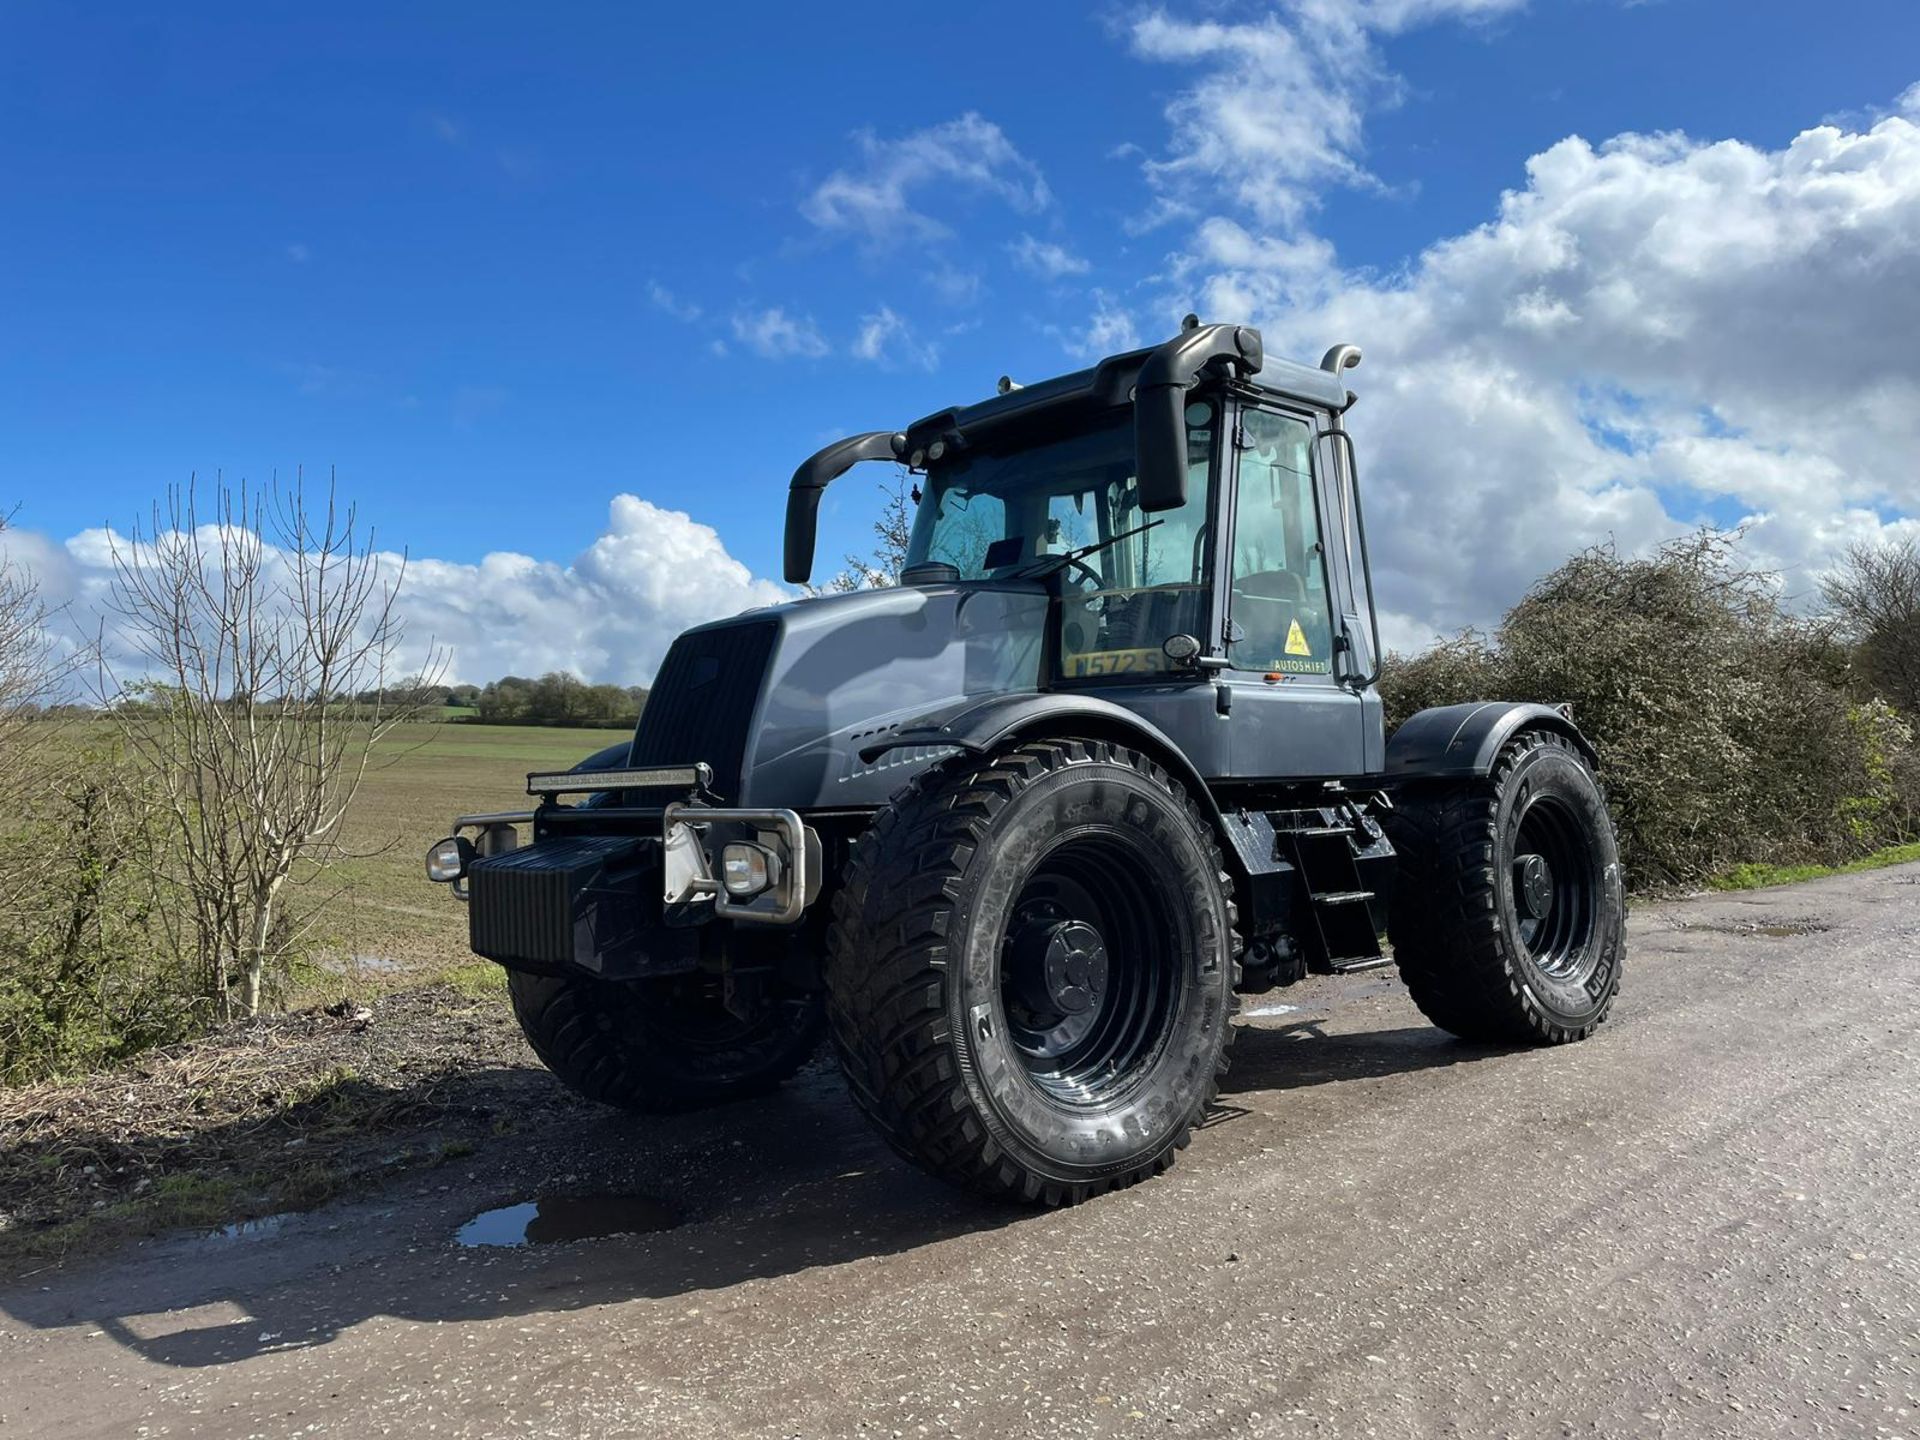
<point x="887" y="979"/>
<point x="1444" y="918"/>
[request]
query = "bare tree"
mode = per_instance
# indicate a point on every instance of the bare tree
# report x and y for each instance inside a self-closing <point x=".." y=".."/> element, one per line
<point x="891" y="533"/>
<point x="1875" y="595"/>
<point x="267" y="642"/>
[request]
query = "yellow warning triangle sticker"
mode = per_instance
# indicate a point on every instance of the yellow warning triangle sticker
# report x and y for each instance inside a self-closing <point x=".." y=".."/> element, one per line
<point x="1297" y="640"/>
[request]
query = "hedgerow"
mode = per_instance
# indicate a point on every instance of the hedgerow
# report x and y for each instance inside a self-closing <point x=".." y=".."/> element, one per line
<point x="1730" y="730"/>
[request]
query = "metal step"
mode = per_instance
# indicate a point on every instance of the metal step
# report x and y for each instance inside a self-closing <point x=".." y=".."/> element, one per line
<point x="1342" y="897"/>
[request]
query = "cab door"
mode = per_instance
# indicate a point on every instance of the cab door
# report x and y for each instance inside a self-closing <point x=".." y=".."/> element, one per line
<point x="1291" y="713"/>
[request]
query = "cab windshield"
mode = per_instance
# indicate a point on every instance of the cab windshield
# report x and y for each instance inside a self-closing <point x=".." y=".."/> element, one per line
<point x="996" y="513"/>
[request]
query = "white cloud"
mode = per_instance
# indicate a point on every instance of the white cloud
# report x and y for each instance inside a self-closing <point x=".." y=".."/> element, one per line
<point x="888" y="341"/>
<point x="775" y="335"/>
<point x="953" y="285"/>
<point x="1540" y="312"/>
<point x="1391" y="16"/>
<point x="685" y="311"/>
<point x="608" y="616"/>
<point x="1278" y="112"/>
<point x="1046" y="259"/>
<point x="874" y="200"/>
<point x="1108" y="331"/>
<point x="1649" y="332"/>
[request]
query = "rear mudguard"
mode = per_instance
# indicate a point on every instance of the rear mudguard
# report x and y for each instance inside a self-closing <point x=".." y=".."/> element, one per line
<point x="1454" y="742"/>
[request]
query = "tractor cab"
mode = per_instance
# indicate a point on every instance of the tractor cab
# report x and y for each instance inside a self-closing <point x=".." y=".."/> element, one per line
<point x="1213" y="541"/>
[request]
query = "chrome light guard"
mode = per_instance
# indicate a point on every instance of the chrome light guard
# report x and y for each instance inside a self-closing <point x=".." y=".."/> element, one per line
<point x="684" y="881"/>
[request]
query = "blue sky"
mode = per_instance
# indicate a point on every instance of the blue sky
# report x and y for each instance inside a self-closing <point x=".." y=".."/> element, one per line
<point x="496" y="267"/>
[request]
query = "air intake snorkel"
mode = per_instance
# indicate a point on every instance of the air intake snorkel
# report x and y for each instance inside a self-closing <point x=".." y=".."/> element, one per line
<point x="813" y="477"/>
<point x="1160" y="403"/>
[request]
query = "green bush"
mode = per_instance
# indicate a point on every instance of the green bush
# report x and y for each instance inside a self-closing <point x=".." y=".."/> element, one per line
<point x="1451" y="673"/>
<point x="88" y="967"/>
<point x="1725" y="725"/>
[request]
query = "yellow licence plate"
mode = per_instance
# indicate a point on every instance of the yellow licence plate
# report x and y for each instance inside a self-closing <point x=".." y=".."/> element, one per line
<point x="1115" y="662"/>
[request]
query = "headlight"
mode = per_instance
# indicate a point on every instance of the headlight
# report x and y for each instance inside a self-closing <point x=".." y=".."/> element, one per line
<point x="447" y="859"/>
<point x="746" y="869"/>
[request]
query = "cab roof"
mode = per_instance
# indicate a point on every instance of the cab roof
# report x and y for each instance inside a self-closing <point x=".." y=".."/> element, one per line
<point x="1110" y="384"/>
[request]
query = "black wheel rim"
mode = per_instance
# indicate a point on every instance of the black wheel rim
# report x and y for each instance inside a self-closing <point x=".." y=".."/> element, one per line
<point x="1555" y="888"/>
<point x="1088" y="977"/>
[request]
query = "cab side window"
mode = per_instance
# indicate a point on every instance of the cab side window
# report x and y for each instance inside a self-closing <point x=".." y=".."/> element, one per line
<point x="1278" y="604"/>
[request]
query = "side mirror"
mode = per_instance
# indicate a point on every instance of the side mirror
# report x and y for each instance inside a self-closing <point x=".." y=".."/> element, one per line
<point x="1160" y="447"/>
<point x="1160" y="403"/>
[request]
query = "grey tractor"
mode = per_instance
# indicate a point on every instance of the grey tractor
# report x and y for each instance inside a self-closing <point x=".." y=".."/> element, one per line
<point x="1018" y="832"/>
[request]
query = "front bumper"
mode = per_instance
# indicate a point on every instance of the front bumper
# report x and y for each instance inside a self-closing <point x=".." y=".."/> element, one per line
<point x="600" y="894"/>
<point x="578" y="903"/>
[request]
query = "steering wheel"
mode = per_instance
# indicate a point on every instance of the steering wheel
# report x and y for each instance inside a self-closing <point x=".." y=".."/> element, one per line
<point x="1095" y="579"/>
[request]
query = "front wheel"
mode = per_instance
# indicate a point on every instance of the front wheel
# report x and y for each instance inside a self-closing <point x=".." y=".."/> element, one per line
<point x="661" y="1045"/>
<point x="1030" y="973"/>
<point x="1508" y="915"/>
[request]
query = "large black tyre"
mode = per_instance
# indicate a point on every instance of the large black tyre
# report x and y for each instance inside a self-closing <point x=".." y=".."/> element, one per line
<point x="1508" y="911"/>
<point x="656" y="1046"/>
<point x="1030" y="971"/>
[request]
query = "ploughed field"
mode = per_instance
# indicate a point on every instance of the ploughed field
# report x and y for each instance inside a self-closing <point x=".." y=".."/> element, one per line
<point x="381" y="918"/>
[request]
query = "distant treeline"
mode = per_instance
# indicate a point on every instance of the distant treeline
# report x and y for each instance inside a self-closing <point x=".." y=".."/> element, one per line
<point x="556" y="698"/>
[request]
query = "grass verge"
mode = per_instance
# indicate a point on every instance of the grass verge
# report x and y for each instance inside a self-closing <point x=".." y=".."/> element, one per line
<point x="1755" y="877"/>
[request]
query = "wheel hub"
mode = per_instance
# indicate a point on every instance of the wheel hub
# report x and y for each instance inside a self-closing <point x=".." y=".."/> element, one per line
<point x="1532" y="886"/>
<point x="1059" y="964"/>
<point x="1076" y="966"/>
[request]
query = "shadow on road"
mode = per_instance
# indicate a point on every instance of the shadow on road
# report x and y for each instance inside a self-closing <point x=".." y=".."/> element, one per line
<point x="1293" y="1056"/>
<point x="768" y="1189"/>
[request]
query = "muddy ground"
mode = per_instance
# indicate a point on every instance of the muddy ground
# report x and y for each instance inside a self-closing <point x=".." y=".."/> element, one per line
<point x="263" y="1117"/>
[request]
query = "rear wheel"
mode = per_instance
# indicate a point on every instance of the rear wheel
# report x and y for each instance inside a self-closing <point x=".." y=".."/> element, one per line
<point x="661" y="1045"/>
<point x="1508" y="911"/>
<point x="1030" y="973"/>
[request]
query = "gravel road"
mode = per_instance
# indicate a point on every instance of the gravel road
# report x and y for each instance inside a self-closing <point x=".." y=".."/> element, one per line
<point x="1701" y="1222"/>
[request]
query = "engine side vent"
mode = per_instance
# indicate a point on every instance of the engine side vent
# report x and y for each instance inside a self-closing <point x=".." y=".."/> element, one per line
<point x="702" y="702"/>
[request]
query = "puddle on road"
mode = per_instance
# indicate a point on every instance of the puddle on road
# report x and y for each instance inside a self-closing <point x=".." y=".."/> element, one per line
<point x="251" y="1229"/>
<point x="561" y="1218"/>
<point x="1775" y="929"/>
